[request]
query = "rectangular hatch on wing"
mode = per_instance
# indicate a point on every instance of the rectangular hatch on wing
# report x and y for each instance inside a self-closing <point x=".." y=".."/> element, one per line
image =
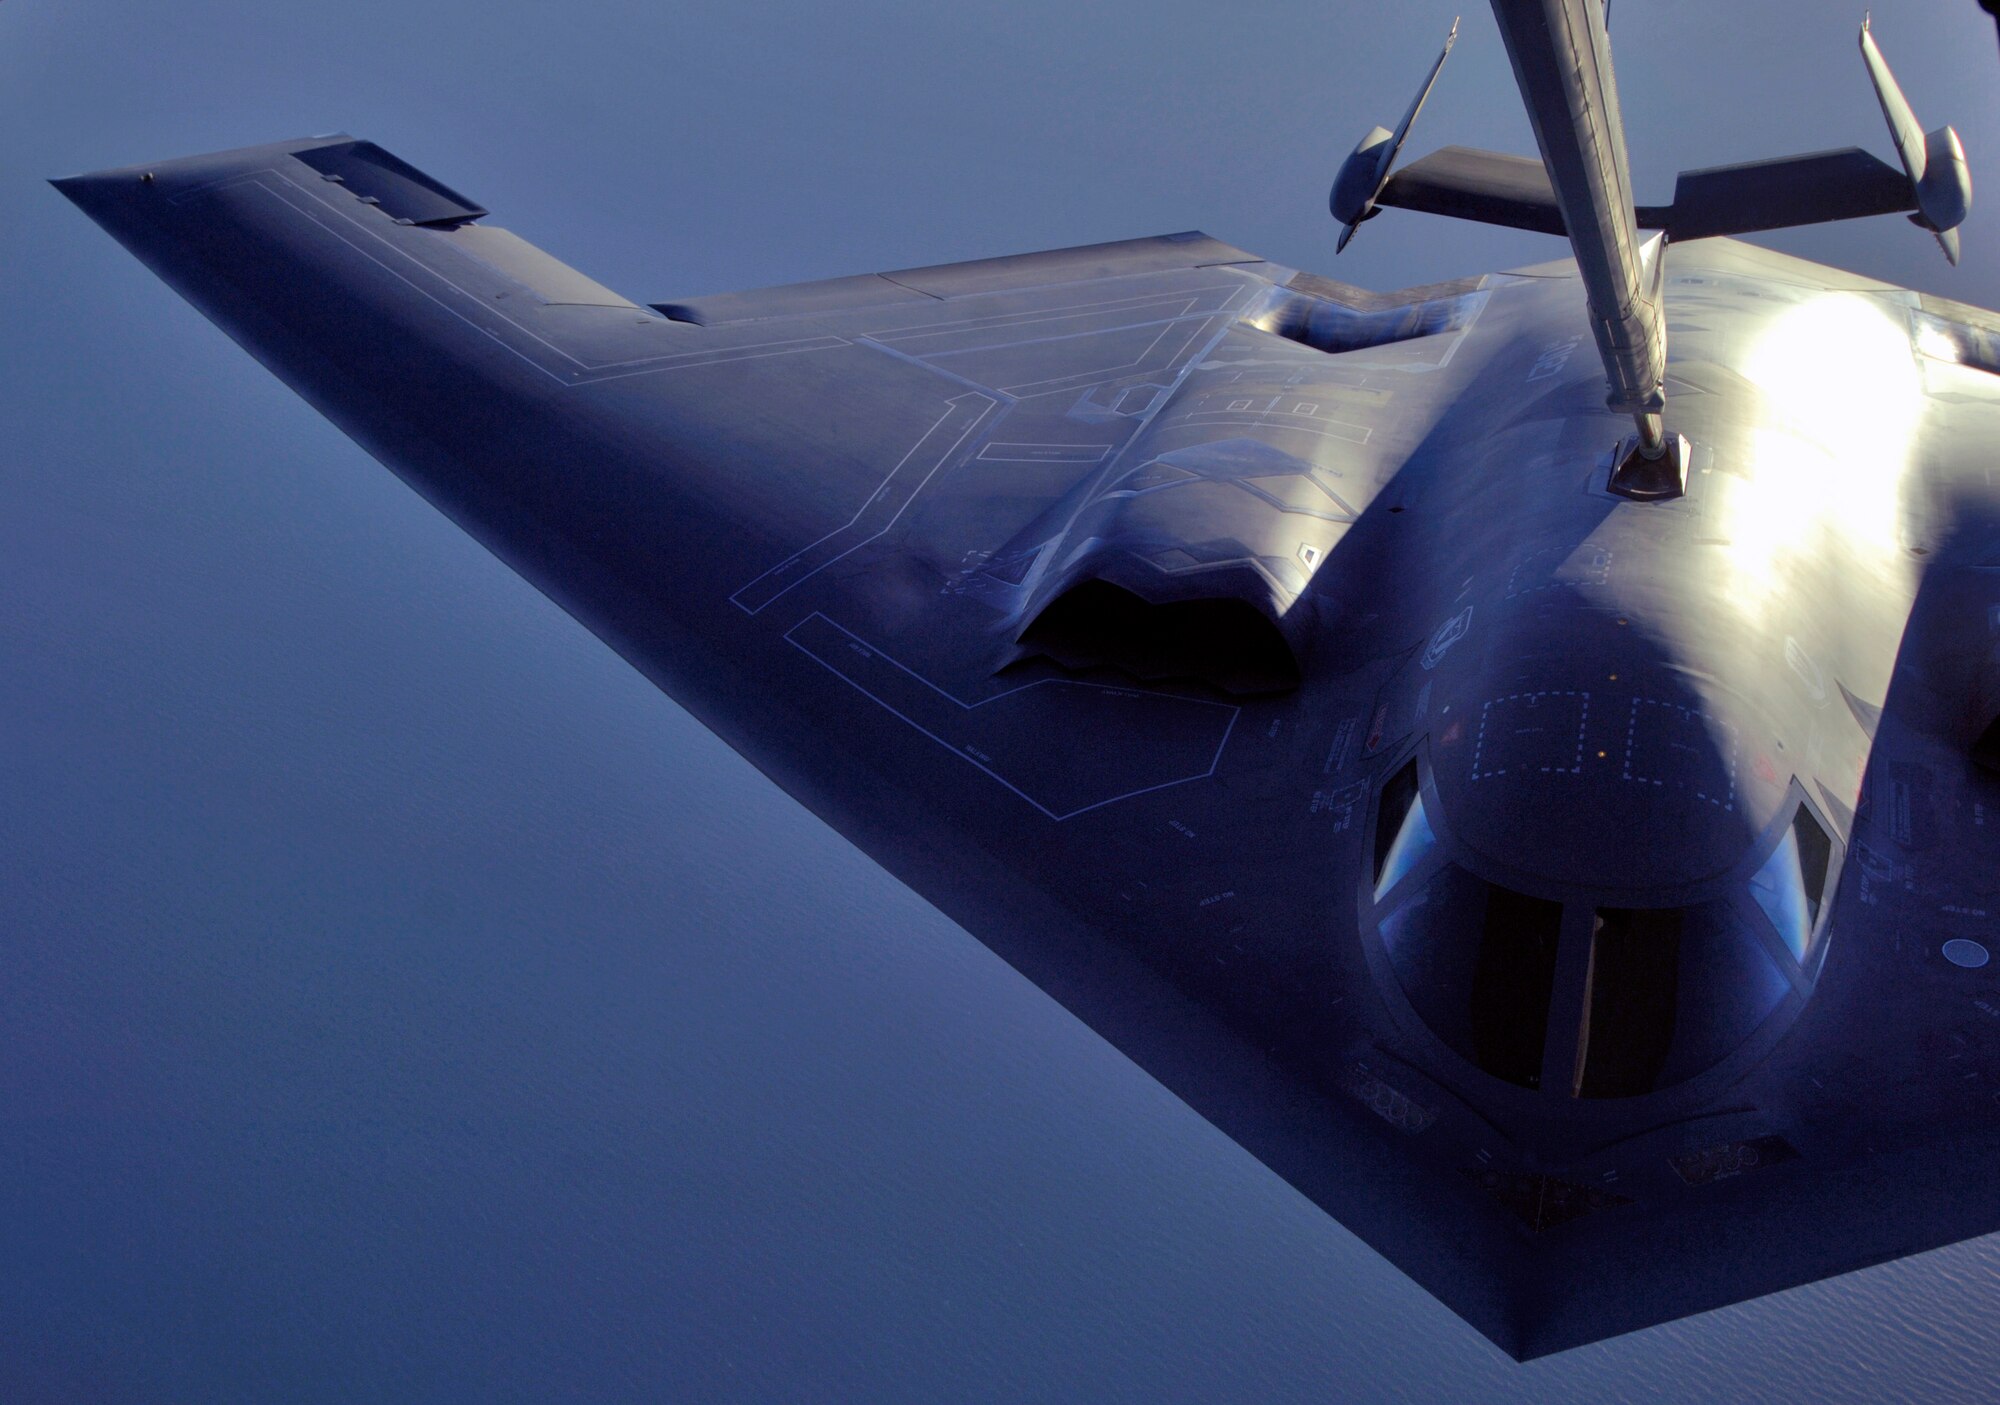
<point x="401" y="190"/>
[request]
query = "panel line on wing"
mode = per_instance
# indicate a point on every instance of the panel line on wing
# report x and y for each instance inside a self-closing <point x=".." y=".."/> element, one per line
<point x="1146" y="362"/>
<point x="1183" y="300"/>
<point x="1115" y="464"/>
<point x="344" y="227"/>
<point x="1161" y="322"/>
<point x="325" y="215"/>
<point x="1319" y="426"/>
<point x="963" y="413"/>
<point x="1012" y="732"/>
<point x="933" y="368"/>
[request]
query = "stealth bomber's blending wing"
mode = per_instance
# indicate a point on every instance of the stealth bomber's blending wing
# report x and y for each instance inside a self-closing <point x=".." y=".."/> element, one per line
<point x="1263" y="667"/>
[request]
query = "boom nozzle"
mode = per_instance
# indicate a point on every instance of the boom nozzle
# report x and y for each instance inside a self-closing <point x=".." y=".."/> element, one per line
<point x="1652" y="434"/>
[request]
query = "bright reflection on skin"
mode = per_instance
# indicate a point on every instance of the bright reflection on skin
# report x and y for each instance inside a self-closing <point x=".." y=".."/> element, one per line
<point x="1842" y="397"/>
<point x="1934" y="342"/>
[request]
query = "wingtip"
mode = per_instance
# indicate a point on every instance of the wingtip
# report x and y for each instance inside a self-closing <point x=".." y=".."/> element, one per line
<point x="98" y="189"/>
<point x="78" y="189"/>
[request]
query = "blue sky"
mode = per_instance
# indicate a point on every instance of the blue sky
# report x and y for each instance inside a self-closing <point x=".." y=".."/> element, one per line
<point x="399" y="999"/>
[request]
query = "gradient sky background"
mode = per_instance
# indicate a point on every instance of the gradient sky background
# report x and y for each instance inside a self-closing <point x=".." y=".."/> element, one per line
<point x="399" y="999"/>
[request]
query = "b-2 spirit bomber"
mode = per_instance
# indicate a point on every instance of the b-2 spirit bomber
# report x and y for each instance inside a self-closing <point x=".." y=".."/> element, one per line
<point x="1515" y="754"/>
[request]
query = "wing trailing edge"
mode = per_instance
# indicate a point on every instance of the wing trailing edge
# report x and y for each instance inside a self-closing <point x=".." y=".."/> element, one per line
<point x="1358" y="188"/>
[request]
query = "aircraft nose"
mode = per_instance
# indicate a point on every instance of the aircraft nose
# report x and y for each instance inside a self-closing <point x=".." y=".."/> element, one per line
<point x="1594" y="876"/>
<point x="1572" y="745"/>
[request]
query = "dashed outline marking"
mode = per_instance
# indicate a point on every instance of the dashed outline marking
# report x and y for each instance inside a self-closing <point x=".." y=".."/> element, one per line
<point x="1582" y="725"/>
<point x="1631" y="742"/>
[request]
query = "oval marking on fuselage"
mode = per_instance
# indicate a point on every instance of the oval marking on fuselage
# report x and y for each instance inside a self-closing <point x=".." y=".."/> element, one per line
<point x="1970" y="955"/>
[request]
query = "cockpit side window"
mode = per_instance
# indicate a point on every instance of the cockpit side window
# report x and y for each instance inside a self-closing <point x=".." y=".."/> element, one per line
<point x="1791" y="886"/>
<point x="1403" y="833"/>
<point x="1815" y="857"/>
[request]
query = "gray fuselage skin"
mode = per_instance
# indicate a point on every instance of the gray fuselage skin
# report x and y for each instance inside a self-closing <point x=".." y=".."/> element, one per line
<point x="826" y="520"/>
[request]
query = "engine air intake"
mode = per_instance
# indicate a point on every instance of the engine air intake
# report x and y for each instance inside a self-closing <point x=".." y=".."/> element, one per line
<point x="1226" y="643"/>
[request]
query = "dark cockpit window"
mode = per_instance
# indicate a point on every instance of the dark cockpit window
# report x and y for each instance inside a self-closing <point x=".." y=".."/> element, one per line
<point x="1986" y="751"/>
<point x="1478" y="964"/>
<point x="1512" y="985"/>
<point x="1631" y="998"/>
<point x="1670" y="993"/>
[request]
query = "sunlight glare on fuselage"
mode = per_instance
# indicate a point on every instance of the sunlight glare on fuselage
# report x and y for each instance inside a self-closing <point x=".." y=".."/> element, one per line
<point x="1824" y="465"/>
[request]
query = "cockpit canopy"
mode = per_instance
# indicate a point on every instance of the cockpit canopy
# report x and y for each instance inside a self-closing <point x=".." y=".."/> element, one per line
<point x="1582" y="999"/>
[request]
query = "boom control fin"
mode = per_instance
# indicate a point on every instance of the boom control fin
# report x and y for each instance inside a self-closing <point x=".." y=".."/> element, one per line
<point x="1940" y="184"/>
<point x="1366" y="170"/>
